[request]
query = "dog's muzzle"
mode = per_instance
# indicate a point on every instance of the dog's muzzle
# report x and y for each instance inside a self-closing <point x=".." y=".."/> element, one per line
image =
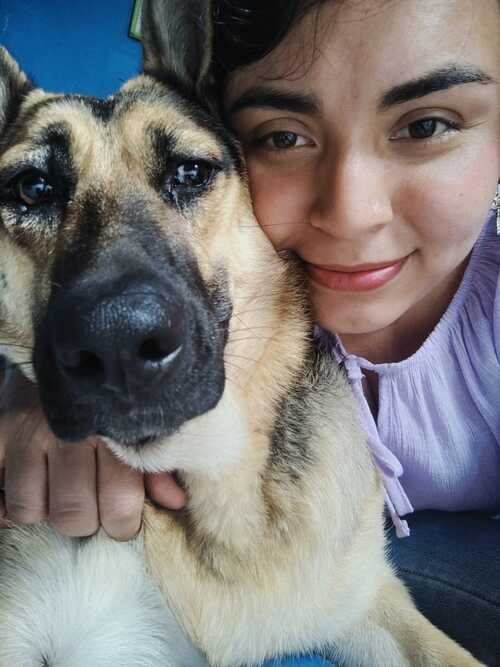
<point x="130" y="359"/>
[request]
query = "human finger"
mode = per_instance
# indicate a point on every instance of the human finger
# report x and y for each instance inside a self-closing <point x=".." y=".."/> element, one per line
<point x="17" y="411"/>
<point x="25" y="435"/>
<point x="72" y="488"/>
<point x="120" y="492"/>
<point x="164" y="490"/>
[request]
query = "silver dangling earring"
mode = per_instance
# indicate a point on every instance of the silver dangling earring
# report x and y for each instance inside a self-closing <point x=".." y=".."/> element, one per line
<point x="496" y="207"/>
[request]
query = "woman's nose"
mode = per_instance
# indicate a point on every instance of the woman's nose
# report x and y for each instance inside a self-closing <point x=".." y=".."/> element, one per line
<point x="354" y="197"/>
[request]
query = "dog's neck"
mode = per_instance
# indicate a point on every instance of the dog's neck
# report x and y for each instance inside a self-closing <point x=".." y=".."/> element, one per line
<point x="229" y="499"/>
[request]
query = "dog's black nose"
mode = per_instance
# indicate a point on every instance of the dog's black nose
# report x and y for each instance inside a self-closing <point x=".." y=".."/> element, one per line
<point x="123" y="341"/>
<point x="130" y="356"/>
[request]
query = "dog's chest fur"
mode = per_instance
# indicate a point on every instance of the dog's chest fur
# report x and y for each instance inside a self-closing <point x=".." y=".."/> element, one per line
<point x="255" y="566"/>
<point x="249" y="568"/>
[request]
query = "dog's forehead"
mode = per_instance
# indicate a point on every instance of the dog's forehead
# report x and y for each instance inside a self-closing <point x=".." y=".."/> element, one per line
<point x="100" y="131"/>
<point x="144" y="104"/>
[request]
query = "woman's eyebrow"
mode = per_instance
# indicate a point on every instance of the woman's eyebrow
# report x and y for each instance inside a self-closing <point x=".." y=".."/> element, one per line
<point x="454" y="74"/>
<point x="272" y="98"/>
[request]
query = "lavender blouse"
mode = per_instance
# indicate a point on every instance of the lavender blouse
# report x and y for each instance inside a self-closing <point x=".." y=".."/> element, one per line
<point x="436" y="438"/>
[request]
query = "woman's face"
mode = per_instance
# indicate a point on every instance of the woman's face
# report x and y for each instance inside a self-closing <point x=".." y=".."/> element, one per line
<point x="372" y="137"/>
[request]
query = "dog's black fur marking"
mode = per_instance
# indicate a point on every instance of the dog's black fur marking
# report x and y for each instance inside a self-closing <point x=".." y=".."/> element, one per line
<point x="83" y="247"/>
<point x="164" y="146"/>
<point x="16" y="128"/>
<point x="103" y="109"/>
<point x="290" y="453"/>
<point x="201" y="114"/>
<point x="60" y="164"/>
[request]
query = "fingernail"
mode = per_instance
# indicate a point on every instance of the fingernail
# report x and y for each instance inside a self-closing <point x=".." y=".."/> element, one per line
<point x="129" y="537"/>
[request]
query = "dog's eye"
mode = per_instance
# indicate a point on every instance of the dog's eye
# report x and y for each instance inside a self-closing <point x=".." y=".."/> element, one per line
<point x="32" y="188"/>
<point x="190" y="176"/>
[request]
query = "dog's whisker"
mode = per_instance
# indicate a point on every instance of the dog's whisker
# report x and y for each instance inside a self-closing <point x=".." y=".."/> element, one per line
<point x="231" y="355"/>
<point x="249" y="329"/>
<point x="234" y="383"/>
<point x="272" y="224"/>
<point x="213" y="435"/>
<point x="255" y="331"/>
<point x="253" y="311"/>
<point x="248" y="295"/>
<point x="246" y="339"/>
<point x="236" y="367"/>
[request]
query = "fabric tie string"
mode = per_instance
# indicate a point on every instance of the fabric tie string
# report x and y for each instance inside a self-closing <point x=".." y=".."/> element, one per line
<point x="396" y="500"/>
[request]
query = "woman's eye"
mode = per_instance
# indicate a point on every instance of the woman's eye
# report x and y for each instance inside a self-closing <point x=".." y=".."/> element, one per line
<point x="425" y="128"/>
<point x="284" y="140"/>
<point x="31" y="189"/>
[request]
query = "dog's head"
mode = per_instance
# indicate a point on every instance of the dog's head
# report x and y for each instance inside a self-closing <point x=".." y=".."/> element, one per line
<point x="125" y="235"/>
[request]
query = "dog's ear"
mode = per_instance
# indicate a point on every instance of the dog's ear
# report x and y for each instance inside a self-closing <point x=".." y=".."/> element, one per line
<point x="14" y="86"/>
<point x="177" y="40"/>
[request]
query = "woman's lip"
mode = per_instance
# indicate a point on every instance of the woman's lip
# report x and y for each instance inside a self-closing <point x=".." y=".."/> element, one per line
<point x="360" y="278"/>
<point x="373" y="266"/>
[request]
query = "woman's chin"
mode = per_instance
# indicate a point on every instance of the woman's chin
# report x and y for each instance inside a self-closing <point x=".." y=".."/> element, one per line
<point x="350" y="317"/>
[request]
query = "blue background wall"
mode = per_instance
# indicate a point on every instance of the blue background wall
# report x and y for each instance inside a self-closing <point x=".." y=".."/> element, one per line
<point x="72" y="45"/>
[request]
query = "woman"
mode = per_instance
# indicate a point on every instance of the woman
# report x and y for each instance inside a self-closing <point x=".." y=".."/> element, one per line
<point x="371" y="131"/>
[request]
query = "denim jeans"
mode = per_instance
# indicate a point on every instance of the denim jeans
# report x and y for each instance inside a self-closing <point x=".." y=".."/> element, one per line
<point x="451" y="564"/>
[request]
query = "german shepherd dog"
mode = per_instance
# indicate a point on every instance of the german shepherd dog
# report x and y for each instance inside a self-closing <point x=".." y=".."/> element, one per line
<point x="138" y="291"/>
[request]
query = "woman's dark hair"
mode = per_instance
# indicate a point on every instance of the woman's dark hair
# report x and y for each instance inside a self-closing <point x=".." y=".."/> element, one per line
<point x="246" y="30"/>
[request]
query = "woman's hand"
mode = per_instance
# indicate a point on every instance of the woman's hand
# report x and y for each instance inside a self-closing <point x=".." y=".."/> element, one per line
<point x="75" y="486"/>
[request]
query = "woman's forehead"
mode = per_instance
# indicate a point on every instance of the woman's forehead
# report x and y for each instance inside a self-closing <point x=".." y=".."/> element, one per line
<point x="379" y="43"/>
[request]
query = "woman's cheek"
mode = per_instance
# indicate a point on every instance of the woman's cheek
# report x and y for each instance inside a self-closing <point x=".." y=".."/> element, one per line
<point x="440" y="208"/>
<point x="280" y="204"/>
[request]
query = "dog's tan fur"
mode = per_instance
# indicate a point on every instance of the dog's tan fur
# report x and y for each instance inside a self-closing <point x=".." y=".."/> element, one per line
<point x="278" y="550"/>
